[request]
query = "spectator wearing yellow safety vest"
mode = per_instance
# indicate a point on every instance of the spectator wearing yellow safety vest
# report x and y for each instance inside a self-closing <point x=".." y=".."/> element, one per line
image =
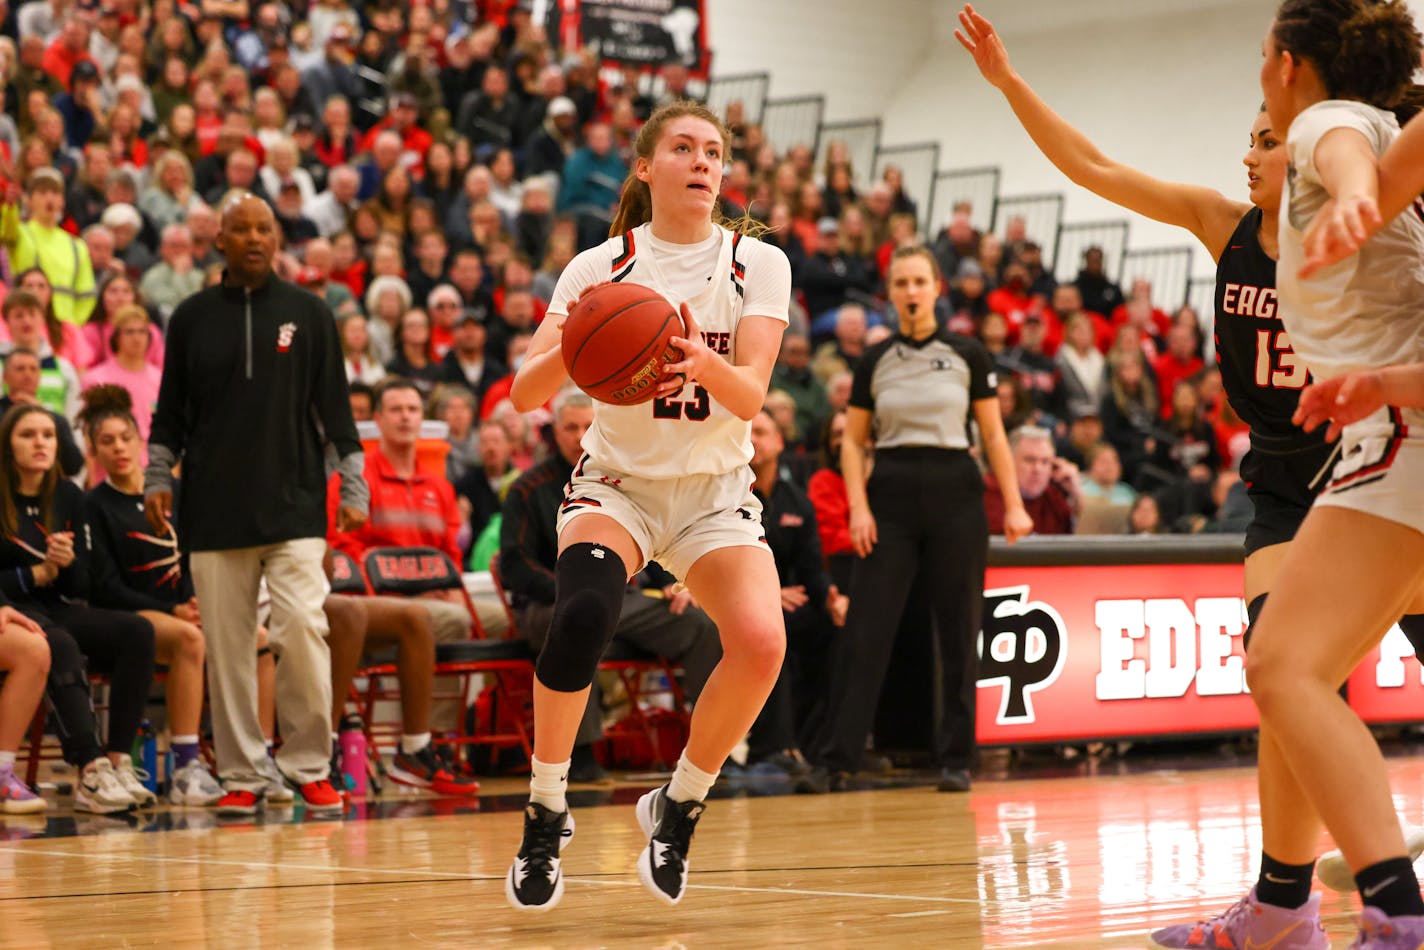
<point x="41" y="242"/>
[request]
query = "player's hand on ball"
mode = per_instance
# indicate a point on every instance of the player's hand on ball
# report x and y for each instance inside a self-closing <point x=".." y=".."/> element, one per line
<point x="1339" y="401"/>
<point x="696" y="357"/>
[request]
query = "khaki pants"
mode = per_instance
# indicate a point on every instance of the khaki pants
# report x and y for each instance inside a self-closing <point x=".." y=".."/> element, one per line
<point x="450" y="623"/>
<point x="226" y="583"/>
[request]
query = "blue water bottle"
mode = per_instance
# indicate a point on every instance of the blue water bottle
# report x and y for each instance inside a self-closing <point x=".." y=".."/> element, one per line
<point x="148" y="755"/>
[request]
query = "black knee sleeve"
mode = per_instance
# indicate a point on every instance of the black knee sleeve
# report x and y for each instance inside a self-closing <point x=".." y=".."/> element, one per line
<point x="590" y="580"/>
<point x="1253" y="613"/>
<point x="1413" y="627"/>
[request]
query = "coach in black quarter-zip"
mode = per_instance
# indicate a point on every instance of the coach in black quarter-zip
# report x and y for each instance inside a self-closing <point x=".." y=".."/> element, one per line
<point x="253" y="390"/>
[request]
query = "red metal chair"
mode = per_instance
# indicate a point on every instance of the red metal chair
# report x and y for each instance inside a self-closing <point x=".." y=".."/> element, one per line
<point x="510" y="663"/>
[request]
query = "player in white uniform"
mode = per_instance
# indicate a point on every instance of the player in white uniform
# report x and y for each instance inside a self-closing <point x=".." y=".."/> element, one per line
<point x="667" y="481"/>
<point x="1357" y="562"/>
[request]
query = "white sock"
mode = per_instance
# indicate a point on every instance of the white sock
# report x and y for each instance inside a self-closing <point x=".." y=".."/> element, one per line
<point x="547" y="784"/>
<point x="7" y="761"/>
<point x="410" y="745"/>
<point x="689" y="783"/>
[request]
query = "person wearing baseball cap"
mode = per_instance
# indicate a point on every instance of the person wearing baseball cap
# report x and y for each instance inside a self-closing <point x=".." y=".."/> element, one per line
<point x="41" y="242"/>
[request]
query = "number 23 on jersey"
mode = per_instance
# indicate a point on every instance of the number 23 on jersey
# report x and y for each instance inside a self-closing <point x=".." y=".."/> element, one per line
<point x="696" y="409"/>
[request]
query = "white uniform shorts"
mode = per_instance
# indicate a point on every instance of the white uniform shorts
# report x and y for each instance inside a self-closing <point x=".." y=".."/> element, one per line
<point x="674" y="521"/>
<point x="1381" y="468"/>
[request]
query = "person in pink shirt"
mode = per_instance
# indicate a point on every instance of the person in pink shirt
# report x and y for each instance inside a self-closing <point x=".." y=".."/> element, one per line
<point x="65" y="338"/>
<point x="116" y="292"/>
<point x="128" y="366"/>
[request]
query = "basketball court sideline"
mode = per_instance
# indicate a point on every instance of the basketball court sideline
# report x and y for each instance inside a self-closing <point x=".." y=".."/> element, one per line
<point x="1043" y="862"/>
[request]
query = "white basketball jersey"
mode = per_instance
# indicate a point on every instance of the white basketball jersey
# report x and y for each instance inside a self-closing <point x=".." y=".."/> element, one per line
<point x="1368" y="310"/>
<point x="688" y="433"/>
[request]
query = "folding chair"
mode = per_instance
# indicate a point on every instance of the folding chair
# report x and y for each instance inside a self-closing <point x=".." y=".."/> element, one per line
<point x="632" y="667"/>
<point x="408" y="572"/>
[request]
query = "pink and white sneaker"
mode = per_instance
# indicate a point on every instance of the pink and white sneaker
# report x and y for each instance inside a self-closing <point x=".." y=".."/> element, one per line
<point x="1250" y="923"/>
<point x="1381" y="932"/>
<point x="16" y="798"/>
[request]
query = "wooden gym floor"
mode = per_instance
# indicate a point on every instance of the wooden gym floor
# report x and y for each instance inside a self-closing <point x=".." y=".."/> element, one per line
<point x="1089" y="860"/>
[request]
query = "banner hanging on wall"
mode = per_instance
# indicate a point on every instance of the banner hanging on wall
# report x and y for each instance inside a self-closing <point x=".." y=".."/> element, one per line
<point x="637" y="32"/>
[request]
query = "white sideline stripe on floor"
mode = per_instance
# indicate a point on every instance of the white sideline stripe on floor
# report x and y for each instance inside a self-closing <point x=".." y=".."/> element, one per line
<point x="343" y="869"/>
<point x="801" y="891"/>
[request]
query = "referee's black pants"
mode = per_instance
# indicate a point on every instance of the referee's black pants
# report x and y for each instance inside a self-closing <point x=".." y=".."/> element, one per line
<point x="929" y="514"/>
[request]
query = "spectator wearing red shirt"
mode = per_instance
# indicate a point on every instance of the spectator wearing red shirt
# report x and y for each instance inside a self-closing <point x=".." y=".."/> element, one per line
<point x="1176" y="363"/>
<point x="1159" y="323"/>
<point x="827" y="492"/>
<point x="1068" y="303"/>
<point x="1012" y="299"/>
<point x="68" y="50"/>
<point x="1050" y="486"/>
<point x="409" y="507"/>
<point x="403" y="119"/>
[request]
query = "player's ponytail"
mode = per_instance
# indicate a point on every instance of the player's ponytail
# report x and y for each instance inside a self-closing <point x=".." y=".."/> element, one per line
<point x="635" y="201"/>
<point x="635" y="205"/>
<point x="1366" y="50"/>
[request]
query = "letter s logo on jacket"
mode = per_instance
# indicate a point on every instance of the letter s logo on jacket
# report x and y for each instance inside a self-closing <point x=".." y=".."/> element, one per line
<point x="284" y="336"/>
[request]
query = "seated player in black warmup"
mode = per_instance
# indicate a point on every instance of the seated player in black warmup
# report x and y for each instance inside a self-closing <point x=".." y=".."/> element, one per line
<point x="132" y="569"/>
<point x="44" y="571"/>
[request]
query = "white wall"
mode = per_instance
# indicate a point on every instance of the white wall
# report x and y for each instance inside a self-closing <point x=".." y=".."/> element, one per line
<point x="1169" y="86"/>
<point x="859" y="53"/>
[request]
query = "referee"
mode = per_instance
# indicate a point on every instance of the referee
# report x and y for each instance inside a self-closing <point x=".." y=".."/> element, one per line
<point x="913" y="395"/>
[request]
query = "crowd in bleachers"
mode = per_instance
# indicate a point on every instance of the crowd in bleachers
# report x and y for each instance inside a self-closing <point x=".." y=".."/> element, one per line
<point x="434" y="167"/>
<point x="432" y="170"/>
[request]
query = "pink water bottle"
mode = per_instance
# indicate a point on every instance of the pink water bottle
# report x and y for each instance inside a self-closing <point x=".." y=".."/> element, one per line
<point x="353" y="756"/>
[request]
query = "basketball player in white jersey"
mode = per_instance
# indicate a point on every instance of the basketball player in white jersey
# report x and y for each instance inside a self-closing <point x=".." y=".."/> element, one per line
<point x="1357" y="562"/>
<point x="667" y="481"/>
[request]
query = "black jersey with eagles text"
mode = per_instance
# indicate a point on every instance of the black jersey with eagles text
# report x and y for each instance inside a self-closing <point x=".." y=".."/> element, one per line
<point x="1262" y="375"/>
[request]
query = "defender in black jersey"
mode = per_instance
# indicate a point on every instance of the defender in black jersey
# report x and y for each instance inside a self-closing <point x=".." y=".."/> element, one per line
<point x="1261" y="373"/>
<point x="1263" y="381"/>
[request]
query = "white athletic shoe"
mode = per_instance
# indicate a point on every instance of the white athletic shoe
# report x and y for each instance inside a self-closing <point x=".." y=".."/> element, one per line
<point x="130" y="778"/>
<point x="193" y="784"/>
<point x="1335" y="874"/>
<point x="99" y="790"/>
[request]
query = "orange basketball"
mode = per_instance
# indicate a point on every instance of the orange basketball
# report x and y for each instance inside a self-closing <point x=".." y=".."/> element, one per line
<point x="616" y="342"/>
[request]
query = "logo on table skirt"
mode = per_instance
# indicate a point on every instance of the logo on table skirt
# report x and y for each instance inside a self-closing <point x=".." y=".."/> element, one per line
<point x="1022" y="648"/>
<point x="284" y="336"/>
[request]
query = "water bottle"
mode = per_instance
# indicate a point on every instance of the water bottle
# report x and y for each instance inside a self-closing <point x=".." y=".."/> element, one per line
<point x="353" y="755"/>
<point x="147" y="759"/>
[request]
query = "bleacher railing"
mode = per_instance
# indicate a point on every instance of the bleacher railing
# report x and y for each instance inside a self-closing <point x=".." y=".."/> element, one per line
<point x="978" y="186"/>
<point x="1201" y="297"/>
<point x="794" y="121"/>
<point x="1042" y="214"/>
<point x="1075" y="238"/>
<point x="1168" y="268"/>
<point x="750" y="88"/>
<point x="919" y="165"/>
<point x="861" y="138"/>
